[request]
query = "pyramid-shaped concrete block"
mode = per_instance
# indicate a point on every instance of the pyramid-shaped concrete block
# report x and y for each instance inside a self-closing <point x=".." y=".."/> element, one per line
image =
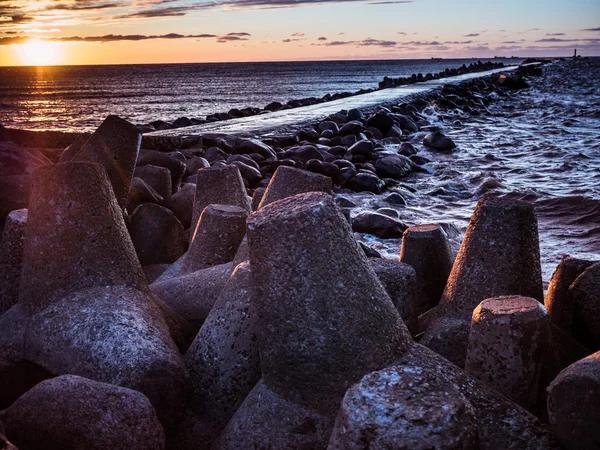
<point x="11" y="258"/>
<point x="289" y="181"/>
<point x="115" y="146"/>
<point x="84" y="306"/>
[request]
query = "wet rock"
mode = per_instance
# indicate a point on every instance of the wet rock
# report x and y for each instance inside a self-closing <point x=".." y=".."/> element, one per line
<point x="182" y="204"/>
<point x="559" y="303"/>
<point x="158" y="178"/>
<point x="217" y="237"/>
<point x="193" y="295"/>
<point x="363" y="181"/>
<point x="249" y="146"/>
<point x="328" y="125"/>
<point x="83" y="295"/>
<point x="193" y="165"/>
<point x="289" y="181"/>
<point x="393" y="166"/>
<point x="499" y="255"/>
<point x="355" y="114"/>
<point x="11" y="258"/>
<point x="364" y="148"/>
<point x="380" y="225"/>
<point x="381" y="121"/>
<point x="303" y="154"/>
<point x="181" y="122"/>
<point x="506" y="347"/>
<point x="219" y="186"/>
<point x="395" y="199"/>
<point x="157" y="235"/>
<point x="304" y="382"/>
<point x="574" y="404"/>
<point x="343" y="202"/>
<point x="249" y="173"/>
<point x="405" y="123"/>
<point x="139" y="193"/>
<point x="324" y="168"/>
<point x="407" y="149"/>
<point x="439" y="141"/>
<point x="71" y="413"/>
<point x="400" y="282"/>
<point x="369" y="251"/>
<point x="115" y="146"/>
<point x="419" y="160"/>
<point x="404" y="408"/>
<point x="351" y="127"/>
<point x="586" y="312"/>
<point x="223" y="360"/>
<point x="427" y="250"/>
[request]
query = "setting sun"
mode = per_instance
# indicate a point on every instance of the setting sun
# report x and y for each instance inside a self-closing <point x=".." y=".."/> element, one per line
<point x="39" y="53"/>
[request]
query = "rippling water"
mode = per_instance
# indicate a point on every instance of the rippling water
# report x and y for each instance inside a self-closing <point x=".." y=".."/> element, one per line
<point x="78" y="97"/>
<point x="541" y="145"/>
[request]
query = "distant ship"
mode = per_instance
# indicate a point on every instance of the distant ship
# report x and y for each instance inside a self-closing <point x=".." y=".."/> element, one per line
<point x="436" y="59"/>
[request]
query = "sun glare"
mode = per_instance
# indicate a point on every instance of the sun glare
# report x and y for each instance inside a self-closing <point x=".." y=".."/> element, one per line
<point x="39" y="53"/>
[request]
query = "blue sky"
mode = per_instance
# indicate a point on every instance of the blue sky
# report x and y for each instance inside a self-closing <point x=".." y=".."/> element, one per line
<point x="116" y="31"/>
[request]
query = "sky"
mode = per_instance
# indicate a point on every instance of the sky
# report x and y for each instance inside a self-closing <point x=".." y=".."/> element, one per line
<point x="37" y="32"/>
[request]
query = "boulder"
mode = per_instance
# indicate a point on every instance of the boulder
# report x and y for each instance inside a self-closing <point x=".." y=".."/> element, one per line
<point x="393" y="166"/>
<point x="439" y="141"/>
<point x="380" y="225"/>
<point x="381" y="121"/>
<point x="115" y="146"/>
<point x="158" y="178"/>
<point x="157" y="236"/>
<point x="364" y="181"/>
<point x="71" y="413"/>
<point x="139" y="193"/>
<point x="249" y="173"/>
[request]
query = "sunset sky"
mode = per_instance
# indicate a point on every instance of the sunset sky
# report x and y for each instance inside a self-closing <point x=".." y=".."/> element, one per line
<point x="159" y="31"/>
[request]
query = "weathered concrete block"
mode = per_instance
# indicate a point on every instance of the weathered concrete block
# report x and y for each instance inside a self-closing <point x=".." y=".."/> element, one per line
<point x="71" y="413"/>
<point x="289" y="181"/>
<point x="158" y="178"/>
<point x="585" y="292"/>
<point x="11" y="258"/>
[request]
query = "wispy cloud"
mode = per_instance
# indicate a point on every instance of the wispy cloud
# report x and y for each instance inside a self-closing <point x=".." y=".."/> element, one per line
<point x="471" y="35"/>
<point x="591" y="29"/>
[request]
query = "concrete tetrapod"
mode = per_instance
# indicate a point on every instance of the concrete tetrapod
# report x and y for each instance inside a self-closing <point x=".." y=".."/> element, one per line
<point x="499" y="255"/>
<point x="427" y="250"/>
<point x="73" y="413"/>
<point x="324" y="318"/>
<point x="574" y="404"/>
<point x="219" y="185"/>
<point x="558" y="301"/>
<point x="585" y="292"/>
<point x="11" y="258"/>
<point x="289" y="181"/>
<point x="84" y="306"/>
<point x="506" y="348"/>
<point x="404" y="408"/>
<point x="223" y="363"/>
<point x="115" y="146"/>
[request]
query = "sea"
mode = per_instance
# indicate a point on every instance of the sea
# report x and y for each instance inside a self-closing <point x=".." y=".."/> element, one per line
<point x="540" y="145"/>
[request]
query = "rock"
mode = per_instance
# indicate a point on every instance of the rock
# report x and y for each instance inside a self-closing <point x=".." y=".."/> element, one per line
<point x="364" y="148"/>
<point x="558" y="302"/>
<point x="249" y="173"/>
<point x="223" y="360"/>
<point x="328" y="125"/>
<point x="404" y="408"/>
<point x="351" y="127"/>
<point x="182" y="204"/>
<point x="11" y="258"/>
<point x="349" y="140"/>
<point x="499" y="255"/>
<point x="355" y="114"/>
<point x="393" y="166"/>
<point x="427" y="250"/>
<point x="343" y="202"/>
<point x="139" y="193"/>
<point x="308" y="363"/>
<point x="324" y="168"/>
<point x="247" y="160"/>
<point x="364" y="182"/>
<point x="83" y="298"/>
<point x="439" y="141"/>
<point x="15" y="160"/>
<point x="407" y="149"/>
<point x="181" y="122"/>
<point x="158" y="178"/>
<point x="381" y="121"/>
<point x="69" y="152"/>
<point x="303" y="154"/>
<point x="586" y="312"/>
<point x="157" y="235"/>
<point x="193" y="165"/>
<point x="249" y="146"/>
<point x="115" y="146"/>
<point x="289" y="181"/>
<point x="217" y="237"/>
<point x="71" y="413"/>
<point x="257" y="197"/>
<point x="400" y="282"/>
<point x="506" y="347"/>
<point x="193" y="295"/>
<point x="380" y="225"/>
<point x="219" y="186"/>
<point x="405" y="123"/>
<point x="177" y="168"/>
<point x="395" y="199"/>
<point x="574" y="404"/>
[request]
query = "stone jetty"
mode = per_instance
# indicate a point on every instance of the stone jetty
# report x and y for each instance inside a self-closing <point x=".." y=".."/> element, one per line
<point x="221" y="294"/>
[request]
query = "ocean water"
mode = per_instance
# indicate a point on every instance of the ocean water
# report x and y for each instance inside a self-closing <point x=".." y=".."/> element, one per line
<point x="77" y="98"/>
<point x="540" y="145"/>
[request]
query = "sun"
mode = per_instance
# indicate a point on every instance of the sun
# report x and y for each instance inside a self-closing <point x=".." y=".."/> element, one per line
<point x="39" y="53"/>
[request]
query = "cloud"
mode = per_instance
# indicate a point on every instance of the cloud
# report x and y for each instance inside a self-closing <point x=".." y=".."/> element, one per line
<point x="471" y="35"/>
<point x="376" y="42"/>
<point x="9" y="40"/>
<point x="321" y="38"/>
<point x="591" y="29"/>
<point x="390" y="2"/>
<point x="555" y="34"/>
<point x="80" y="6"/>
<point x="238" y="34"/>
<point x="230" y="37"/>
<point x="510" y="42"/>
<point x="298" y="34"/>
<point x="568" y="40"/>
<point x="421" y="43"/>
